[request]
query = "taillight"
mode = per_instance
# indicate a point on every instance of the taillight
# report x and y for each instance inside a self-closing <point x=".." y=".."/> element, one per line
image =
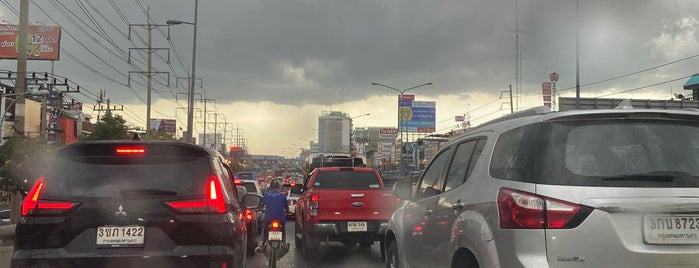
<point x="523" y="210"/>
<point x="33" y="206"/>
<point x="249" y="215"/>
<point x="313" y="205"/>
<point x="275" y="225"/>
<point x="213" y="203"/>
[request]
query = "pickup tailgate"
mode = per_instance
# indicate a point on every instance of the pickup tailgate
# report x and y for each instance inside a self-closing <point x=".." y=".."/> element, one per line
<point x="368" y="204"/>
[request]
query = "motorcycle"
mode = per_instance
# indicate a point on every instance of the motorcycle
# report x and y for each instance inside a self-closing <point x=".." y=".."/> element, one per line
<point x="275" y="246"/>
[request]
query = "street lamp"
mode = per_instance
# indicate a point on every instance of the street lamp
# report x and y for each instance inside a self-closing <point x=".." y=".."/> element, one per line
<point x="41" y="92"/>
<point x="400" y="118"/>
<point x="190" y="92"/>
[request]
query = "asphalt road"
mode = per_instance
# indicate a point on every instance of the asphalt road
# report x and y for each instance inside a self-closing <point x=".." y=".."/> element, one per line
<point x="331" y="255"/>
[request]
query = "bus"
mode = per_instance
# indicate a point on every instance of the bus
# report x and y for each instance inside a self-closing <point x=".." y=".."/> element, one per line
<point x="317" y="160"/>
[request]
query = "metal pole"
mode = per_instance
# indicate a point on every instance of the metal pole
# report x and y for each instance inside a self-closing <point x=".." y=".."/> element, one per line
<point x="577" y="51"/>
<point x="21" y="83"/>
<point x="190" y="112"/>
<point x="149" y="74"/>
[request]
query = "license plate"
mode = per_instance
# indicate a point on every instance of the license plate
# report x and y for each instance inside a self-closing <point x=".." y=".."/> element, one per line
<point x="671" y="229"/>
<point x="356" y="226"/>
<point x="274" y="236"/>
<point x="120" y="236"/>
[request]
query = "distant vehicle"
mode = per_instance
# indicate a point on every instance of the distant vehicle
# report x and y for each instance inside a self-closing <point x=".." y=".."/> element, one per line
<point x="580" y="188"/>
<point x="4" y="217"/>
<point x="317" y="160"/>
<point x="122" y="203"/>
<point x="292" y="198"/>
<point x="345" y="204"/>
<point x="246" y="175"/>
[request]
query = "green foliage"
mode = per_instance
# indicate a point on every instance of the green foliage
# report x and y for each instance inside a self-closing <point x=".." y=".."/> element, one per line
<point x="23" y="159"/>
<point x="109" y="127"/>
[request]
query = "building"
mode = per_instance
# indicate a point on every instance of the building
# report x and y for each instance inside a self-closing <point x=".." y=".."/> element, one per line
<point x="377" y="144"/>
<point x="334" y="130"/>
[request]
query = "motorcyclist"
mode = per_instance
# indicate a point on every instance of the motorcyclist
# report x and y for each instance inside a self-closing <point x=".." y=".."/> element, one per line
<point x="276" y="207"/>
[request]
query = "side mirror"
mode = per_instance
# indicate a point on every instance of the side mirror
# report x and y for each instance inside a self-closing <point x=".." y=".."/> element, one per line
<point x="297" y="189"/>
<point x="403" y="190"/>
<point x="252" y="201"/>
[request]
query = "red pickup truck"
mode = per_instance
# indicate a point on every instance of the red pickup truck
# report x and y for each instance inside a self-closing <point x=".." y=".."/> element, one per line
<point x="345" y="204"/>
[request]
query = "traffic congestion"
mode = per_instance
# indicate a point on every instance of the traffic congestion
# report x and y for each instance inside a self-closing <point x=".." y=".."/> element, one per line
<point x="397" y="134"/>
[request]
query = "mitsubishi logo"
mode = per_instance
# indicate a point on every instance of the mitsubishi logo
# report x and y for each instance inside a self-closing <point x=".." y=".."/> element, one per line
<point x="121" y="212"/>
<point x="357" y="204"/>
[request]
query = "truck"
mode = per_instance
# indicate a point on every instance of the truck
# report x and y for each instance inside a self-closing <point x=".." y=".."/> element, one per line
<point x="317" y="160"/>
<point x="343" y="204"/>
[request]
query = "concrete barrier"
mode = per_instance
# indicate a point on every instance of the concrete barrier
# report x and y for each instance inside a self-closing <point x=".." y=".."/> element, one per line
<point x="7" y="232"/>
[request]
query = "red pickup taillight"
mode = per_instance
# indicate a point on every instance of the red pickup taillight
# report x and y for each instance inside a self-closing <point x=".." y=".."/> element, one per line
<point x="213" y="204"/>
<point x="33" y="206"/>
<point x="313" y="205"/>
<point x="249" y="215"/>
<point x="523" y="210"/>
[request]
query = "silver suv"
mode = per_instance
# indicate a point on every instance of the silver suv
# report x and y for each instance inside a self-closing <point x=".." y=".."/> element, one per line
<point x="585" y="188"/>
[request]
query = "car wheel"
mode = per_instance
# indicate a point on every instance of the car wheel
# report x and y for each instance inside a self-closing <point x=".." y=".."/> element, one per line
<point x="392" y="260"/>
<point x="382" y="249"/>
<point x="297" y="240"/>
<point x="307" y="246"/>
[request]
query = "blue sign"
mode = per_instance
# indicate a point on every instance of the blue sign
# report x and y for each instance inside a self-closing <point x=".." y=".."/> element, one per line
<point x="417" y="116"/>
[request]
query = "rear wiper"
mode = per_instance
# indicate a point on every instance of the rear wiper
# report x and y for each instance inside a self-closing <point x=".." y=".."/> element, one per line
<point x="660" y="176"/>
<point x="146" y="192"/>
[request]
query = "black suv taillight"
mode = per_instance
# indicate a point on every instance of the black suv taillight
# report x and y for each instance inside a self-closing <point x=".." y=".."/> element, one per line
<point x="214" y="202"/>
<point x="34" y="206"/>
<point x="523" y="210"/>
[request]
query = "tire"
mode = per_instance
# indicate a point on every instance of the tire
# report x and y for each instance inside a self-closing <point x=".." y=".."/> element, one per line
<point x="382" y="249"/>
<point x="392" y="260"/>
<point x="272" y="258"/>
<point x="306" y="249"/>
<point x="297" y="240"/>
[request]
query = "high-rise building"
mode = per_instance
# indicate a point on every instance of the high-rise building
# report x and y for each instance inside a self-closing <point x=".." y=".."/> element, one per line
<point x="334" y="130"/>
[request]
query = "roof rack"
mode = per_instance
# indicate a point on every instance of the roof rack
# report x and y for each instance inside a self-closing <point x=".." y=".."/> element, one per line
<point x="523" y="113"/>
<point x="570" y="103"/>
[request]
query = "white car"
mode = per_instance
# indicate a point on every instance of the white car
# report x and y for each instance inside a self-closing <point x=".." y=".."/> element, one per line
<point x="291" y="199"/>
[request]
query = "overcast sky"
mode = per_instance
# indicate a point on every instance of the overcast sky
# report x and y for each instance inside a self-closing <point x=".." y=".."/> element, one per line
<point x="274" y="66"/>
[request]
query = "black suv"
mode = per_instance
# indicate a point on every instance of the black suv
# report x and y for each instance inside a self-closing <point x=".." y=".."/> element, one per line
<point x="133" y="204"/>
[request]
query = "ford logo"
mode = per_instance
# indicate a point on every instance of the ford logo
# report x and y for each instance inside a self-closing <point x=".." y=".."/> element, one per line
<point x="357" y="204"/>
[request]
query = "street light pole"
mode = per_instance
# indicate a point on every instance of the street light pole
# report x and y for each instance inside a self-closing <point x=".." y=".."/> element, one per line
<point x="190" y="92"/>
<point x="400" y="118"/>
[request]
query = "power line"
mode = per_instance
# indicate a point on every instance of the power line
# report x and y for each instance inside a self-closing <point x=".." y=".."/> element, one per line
<point x="638" y="88"/>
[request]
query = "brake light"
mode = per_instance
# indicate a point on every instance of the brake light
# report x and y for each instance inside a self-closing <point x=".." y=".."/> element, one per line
<point x="214" y="202"/>
<point x="522" y="210"/>
<point x="275" y="225"/>
<point x="249" y="215"/>
<point x="313" y="205"/>
<point x="237" y="182"/>
<point x="33" y="206"/>
<point x="131" y="150"/>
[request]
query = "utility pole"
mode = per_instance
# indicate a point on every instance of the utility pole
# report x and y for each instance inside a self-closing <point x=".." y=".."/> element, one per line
<point x="108" y="108"/>
<point x="510" y="98"/>
<point x="150" y="73"/>
<point x="21" y="83"/>
<point x="205" y="101"/>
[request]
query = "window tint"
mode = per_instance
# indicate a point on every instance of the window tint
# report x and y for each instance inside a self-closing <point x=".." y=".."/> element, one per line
<point x="512" y="154"/>
<point x="432" y="177"/>
<point x="346" y="180"/>
<point x="109" y="176"/>
<point x="463" y="163"/>
<point x="250" y="187"/>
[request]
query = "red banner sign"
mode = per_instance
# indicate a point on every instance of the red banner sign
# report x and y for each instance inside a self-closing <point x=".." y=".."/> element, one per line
<point x="42" y="43"/>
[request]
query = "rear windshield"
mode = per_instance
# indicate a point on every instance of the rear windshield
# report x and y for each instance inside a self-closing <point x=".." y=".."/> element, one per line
<point x="102" y="176"/>
<point x="250" y="187"/>
<point x="624" y="153"/>
<point x="346" y="180"/>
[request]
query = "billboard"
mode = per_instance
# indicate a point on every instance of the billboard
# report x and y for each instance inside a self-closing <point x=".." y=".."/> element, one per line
<point x="388" y="133"/>
<point x="417" y="116"/>
<point x="42" y="44"/>
<point x="168" y="126"/>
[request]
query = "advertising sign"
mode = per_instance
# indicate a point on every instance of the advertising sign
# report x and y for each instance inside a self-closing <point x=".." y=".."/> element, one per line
<point x="388" y="133"/>
<point x="546" y="91"/>
<point x="42" y="44"/>
<point x="168" y="126"/>
<point x="417" y="116"/>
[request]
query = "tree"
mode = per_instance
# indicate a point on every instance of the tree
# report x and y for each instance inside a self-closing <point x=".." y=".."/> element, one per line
<point x="109" y="127"/>
<point x="22" y="162"/>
